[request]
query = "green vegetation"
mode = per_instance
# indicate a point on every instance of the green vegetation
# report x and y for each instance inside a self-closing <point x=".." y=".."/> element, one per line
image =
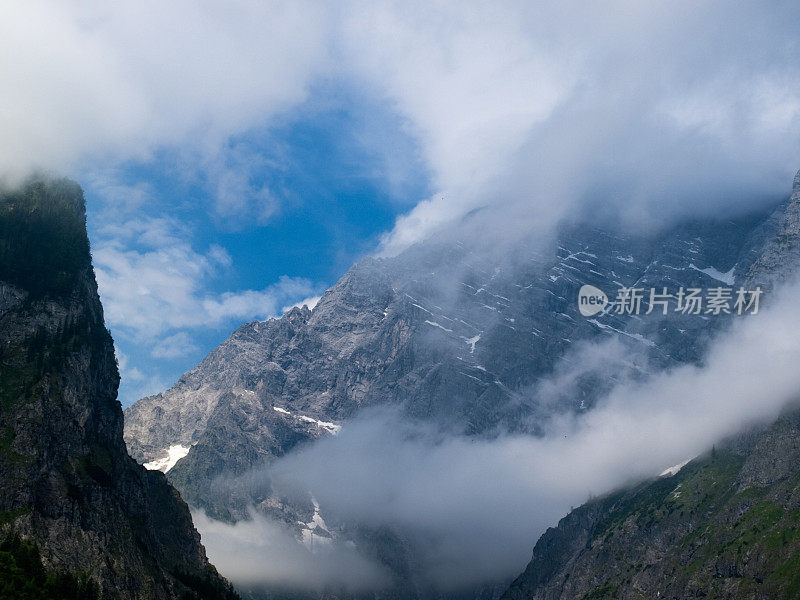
<point x="205" y="586"/>
<point x="718" y="538"/>
<point x="602" y="591"/>
<point x="23" y="576"/>
<point x="8" y="516"/>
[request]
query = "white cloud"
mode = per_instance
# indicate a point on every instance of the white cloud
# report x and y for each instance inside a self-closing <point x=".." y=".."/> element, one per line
<point x="473" y="508"/>
<point x="238" y="198"/>
<point x="127" y="371"/>
<point x="538" y="112"/>
<point x="239" y="552"/>
<point x="471" y="81"/>
<point x="136" y="383"/>
<point x="153" y="283"/>
<point x="87" y="78"/>
<point x="532" y="110"/>
<point x="310" y="302"/>
<point x="260" y="303"/>
<point x="174" y="346"/>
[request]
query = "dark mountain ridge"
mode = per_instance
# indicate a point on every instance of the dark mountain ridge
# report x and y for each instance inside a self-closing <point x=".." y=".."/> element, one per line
<point x="727" y="525"/>
<point x="67" y="484"/>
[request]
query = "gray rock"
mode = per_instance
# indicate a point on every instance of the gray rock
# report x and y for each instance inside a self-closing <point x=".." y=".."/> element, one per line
<point x="67" y="483"/>
<point x="723" y="527"/>
<point x="449" y="337"/>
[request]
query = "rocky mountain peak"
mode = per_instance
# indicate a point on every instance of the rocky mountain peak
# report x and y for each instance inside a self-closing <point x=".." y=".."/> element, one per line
<point x="443" y="336"/>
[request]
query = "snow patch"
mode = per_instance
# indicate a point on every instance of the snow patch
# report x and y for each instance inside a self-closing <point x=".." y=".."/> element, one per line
<point x="435" y="324"/>
<point x="674" y="469"/>
<point x="330" y="427"/>
<point x="326" y="425"/>
<point x="471" y="342"/>
<point x="726" y="278"/>
<point x="174" y="454"/>
<point x="308" y="530"/>
<point x="636" y="336"/>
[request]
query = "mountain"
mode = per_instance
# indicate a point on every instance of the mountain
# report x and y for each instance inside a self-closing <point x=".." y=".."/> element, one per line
<point x="446" y="336"/>
<point x="727" y="525"/>
<point x="452" y="337"/>
<point x="78" y="516"/>
<point x="723" y="526"/>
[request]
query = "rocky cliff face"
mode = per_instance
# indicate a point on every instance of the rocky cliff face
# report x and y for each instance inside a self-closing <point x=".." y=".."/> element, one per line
<point x="448" y="336"/>
<point x="781" y="251"/>
<point x="67" y="483"/>
<point x="724" y="526"/>
<point x="438" y="331"/>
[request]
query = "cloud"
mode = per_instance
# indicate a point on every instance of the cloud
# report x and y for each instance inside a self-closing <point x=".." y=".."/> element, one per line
<point x="152" y="281"/>
<point x="239" y="199"/>
<point x="127" y="371"/>
<point x="174" y="346"/>
<point x="622" y="111"/>
<point x="473" y="508"/>
<point x="240" y="550"/>
<point x="137" y="384"/>
<point x="164" y="300"/>
<point x="310" y="302"/>
<point x="471" y="83"/>
<point x="536" y="111"/>
<point x="87" y="80"/>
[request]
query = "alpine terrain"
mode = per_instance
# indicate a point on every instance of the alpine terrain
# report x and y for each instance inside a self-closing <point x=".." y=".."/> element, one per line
<point x="78" y="517"/>
<point x="450" y="337"/>
<point x="725" y="525"/>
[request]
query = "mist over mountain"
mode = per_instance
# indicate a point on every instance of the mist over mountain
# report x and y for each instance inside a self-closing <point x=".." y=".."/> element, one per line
<point x="396" y="289"/>
<point x="413" y="419"/>
<point x="723" y="525"/>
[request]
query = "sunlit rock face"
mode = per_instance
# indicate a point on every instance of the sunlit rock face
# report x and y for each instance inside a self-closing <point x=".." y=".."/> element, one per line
<point x="450" y="337"/>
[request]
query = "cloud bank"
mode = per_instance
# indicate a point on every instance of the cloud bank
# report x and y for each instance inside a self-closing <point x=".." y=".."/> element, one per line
<point x="240" y="551"/>
<point x="89" y="80"/>
<point x="526" y="113"/>
<point x="473" y="507"/>
<point x="538" y="110"/>
<point x="631" y="111"/>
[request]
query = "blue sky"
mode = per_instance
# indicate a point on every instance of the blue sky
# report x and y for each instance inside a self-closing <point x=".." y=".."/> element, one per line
<point x="339" y="170"/>
<point x="239" y="156"/>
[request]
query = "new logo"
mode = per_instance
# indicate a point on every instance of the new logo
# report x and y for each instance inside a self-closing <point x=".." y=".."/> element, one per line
<point x="591" y="300"/>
